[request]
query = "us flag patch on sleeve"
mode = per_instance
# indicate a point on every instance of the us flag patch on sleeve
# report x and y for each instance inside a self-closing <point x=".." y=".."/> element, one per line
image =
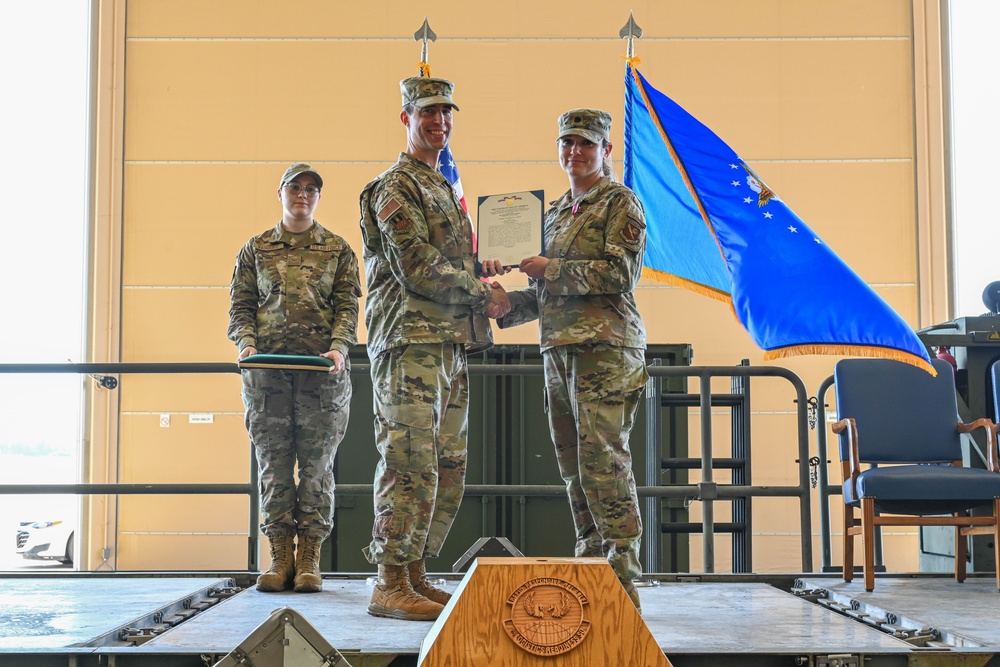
<point x="388" y="210"/>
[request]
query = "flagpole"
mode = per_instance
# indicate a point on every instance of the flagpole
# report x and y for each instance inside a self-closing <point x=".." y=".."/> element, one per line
<point x="423" y="35"/>
<point x="446" y="162"/>
<point x="653" y="513"/>
<point x="630" y="31"/>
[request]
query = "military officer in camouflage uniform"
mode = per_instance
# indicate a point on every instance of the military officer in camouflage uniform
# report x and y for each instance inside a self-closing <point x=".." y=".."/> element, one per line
<point x="426" y="309"/>
<point x="295" y="291"/>
<point x="592" y="339"/>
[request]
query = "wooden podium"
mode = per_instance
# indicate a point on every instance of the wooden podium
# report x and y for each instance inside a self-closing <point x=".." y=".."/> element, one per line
<point x="529" y="612"/>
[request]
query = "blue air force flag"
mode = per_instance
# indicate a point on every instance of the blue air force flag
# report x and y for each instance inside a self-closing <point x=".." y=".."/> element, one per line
<point x="715" y="227"/>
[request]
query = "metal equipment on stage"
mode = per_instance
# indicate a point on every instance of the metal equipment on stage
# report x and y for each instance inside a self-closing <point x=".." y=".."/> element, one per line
<point x="974" y="343"/>
<point x="285" y="639"/>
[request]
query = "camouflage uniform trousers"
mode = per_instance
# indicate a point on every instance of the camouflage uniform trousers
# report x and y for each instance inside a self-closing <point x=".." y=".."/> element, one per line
<point x="593" y="393"/>
<point x="421" y="406"/>
<point x="296" y="417"/>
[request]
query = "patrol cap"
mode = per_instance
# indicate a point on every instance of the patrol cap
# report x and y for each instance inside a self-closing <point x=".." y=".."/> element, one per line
<point x="422" y="91"/>
<point x="591" y="124"/>
<point x="301" y="168"/>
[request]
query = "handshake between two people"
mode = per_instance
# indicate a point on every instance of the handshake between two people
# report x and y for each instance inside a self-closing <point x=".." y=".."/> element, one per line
<point x="534" y="267"/>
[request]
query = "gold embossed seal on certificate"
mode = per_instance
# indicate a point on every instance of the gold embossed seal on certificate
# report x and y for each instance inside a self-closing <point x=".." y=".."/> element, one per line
<point x="547" y="616"/>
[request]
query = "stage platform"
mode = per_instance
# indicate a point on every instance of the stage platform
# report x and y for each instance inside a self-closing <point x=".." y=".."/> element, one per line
<point x="88" y="619"/>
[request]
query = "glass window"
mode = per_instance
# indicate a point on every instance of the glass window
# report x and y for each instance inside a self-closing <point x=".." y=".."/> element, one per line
<point x="975" y="82"/>
<point x="45" y="72"/>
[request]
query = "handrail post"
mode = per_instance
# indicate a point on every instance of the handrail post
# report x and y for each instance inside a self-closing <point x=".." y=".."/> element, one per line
<point x="805" y="516"/>
<point x="823" y="476"/>
<point x="652" y="518"/>
<point x="708" y="504"/>
<point x="253" y="544"/>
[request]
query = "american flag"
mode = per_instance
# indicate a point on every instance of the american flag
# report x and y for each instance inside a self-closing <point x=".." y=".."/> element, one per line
<point x="446" y="163"/>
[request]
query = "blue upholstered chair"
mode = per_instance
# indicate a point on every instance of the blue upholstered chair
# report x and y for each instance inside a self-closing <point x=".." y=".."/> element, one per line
<point x="906" y="421"/>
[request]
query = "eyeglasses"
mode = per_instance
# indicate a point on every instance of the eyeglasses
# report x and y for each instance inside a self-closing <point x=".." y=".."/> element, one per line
<point x="432" y="110"/>
<point x="296" y="189"/>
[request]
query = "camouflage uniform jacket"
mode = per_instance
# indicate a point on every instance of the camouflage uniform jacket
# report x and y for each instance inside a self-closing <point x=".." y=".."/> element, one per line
<point x="595" y="260"/>
<point x="419" y="267"/>
<point x="295" y="293"/>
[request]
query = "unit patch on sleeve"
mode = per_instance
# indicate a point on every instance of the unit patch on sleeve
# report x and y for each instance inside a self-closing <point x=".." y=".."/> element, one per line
<point x="632" y="232"/>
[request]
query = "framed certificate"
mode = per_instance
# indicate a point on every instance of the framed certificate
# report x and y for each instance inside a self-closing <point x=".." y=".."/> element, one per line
<point x="510" y="226"/>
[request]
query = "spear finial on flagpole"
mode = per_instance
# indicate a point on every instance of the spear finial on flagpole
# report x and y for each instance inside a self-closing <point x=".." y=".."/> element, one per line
<point x="631" y="31"/>
<point x="425" y="34"/>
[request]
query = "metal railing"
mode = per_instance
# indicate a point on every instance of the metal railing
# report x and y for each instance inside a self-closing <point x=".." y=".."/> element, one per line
<point x="707" y="491"/>
<point x="105" y="376"/>
<point x="826" y="490"/>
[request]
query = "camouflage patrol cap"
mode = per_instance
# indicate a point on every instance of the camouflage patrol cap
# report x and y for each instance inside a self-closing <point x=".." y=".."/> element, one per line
<point x="301" y="168"/>
<point x="422" y="91"/>
<point x="592" y="124"/>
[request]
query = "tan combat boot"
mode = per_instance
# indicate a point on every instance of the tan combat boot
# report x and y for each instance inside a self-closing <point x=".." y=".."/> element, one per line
<point x="307" y="576"/>
<point x="279" y="576"/>
<point x="633" y="594"/>
<point x="394" y="597"/>
<point x="418" y="579"/>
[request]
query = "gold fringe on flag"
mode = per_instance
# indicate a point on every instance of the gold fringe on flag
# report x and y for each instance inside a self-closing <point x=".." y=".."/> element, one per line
<point x="870" y="351"/>
<point x="676" y="281"/>
<point x="425" y="68"/>
<point x="835" y="349"/>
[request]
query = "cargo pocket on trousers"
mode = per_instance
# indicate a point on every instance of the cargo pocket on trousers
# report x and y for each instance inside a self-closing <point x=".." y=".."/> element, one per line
<point x="334" y="397"/>
<point x="328" y="484"/>
<point x="620" y="509"/>
<point x="392" y="527"/>
<point x="253" y="399"/>
<point x="415" y="415"/>
<point x="255" y="402"/>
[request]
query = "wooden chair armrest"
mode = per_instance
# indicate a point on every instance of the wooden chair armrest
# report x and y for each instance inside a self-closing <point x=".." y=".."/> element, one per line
<point x="851" y="427"/>
<point x="992" y="457"/>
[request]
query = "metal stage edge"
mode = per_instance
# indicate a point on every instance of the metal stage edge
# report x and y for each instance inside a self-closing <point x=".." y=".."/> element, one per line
<point x="159" y="619"/>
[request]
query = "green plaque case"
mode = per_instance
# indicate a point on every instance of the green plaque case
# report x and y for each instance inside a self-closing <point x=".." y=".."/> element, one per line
<point x="290" y="362"/>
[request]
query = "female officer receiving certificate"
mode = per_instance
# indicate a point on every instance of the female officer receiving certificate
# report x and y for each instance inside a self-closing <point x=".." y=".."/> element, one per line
<point x="592" y="339"/>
